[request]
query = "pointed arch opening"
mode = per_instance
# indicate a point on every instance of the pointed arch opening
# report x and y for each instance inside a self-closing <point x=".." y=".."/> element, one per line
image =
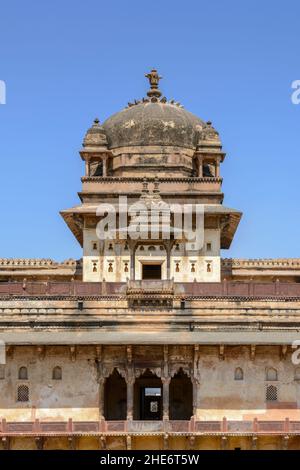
<point x="115" y="397"/>
<point x="23" y="373"/>
<point x="271" y="374"/>
<point x="148" y="397"/>
<point x="181" y="397"/>
<point x="238" y="374"/>
<point x="57" y="373"/>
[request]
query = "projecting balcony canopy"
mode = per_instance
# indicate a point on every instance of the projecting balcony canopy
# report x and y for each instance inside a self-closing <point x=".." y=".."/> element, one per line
<point x="229" y="219"/>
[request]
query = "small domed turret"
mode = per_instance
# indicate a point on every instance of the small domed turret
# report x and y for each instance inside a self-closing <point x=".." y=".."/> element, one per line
<point x="95" y="136"/>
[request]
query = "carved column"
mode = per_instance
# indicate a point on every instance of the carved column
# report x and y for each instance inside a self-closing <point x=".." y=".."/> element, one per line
<point x="132" y="247"/>
<point x="196" y="381"/>
<point x="217" y="171"/>
<point x="130" y="390"/>
<point x="104" y="166"/>
<point x="168" y="251"/>
<point x="166" y="379"/>
<point x="200" y="166"/>
<point x="166" y="396"/>
<point x="101" y="397"/>
<point x="101" y="380"/>
<point x="196" y="395"/>
<point x="87" y="167"/>
<point x="130" y="383"/>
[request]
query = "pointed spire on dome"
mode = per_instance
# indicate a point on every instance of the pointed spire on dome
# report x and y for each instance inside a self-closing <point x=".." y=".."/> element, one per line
<point x="153" y="78"/>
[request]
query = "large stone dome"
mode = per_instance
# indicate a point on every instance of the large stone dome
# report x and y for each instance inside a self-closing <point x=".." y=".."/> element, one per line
<point x="149" y="137"/>
<point x="150" y="123"/>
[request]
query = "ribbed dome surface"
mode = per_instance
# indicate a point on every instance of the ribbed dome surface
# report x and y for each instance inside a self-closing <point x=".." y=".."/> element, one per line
<point x="149" y="123"/>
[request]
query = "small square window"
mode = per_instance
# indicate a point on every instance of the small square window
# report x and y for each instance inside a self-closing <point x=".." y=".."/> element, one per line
<point x="208" y="246"/>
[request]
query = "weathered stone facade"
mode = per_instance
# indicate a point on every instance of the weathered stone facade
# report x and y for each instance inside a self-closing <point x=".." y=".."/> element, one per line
<point x="150" y="344"/>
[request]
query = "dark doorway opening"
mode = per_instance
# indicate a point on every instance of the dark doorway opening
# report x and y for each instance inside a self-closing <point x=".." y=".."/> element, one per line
<point x="181" y="397"/>
<point x="151" y="271"/>
<point x="115" y="397"/>
<point x="148" y="397"/>
<point x="150" y="403"/>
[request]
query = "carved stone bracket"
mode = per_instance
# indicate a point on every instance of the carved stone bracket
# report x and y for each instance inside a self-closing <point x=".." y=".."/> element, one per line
<point x="252" y="351"/>
<point x="6" y="443"/>
<point x="102" y="442"/>
<point x="221" y="352"/>
<point x="72" y="442"/>
<point x="224" y="442"/>
<point x="73" y="353"/>
<point x="166" y="441"/>
<point x="128" y="442"/>
<point x="39" y="441"/>
<point x="283" y="351"/>
<point x="254" y="440"/>
<point x="192" y="441"/>
<point x="41" y="352"/>
<point x="10" y="351"/>
<point x="129" y="354"/>
<point x="285" y="442"/>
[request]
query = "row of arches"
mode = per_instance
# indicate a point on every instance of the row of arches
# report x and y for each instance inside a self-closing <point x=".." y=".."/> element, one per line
<point x="271" y="374"/>
<point x="148" y="397"/>
<point x="56" y="373"/>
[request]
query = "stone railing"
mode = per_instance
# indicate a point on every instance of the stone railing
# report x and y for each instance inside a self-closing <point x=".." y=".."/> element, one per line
<point x="226" y="289"/>
<point x="149" y="287"/>
<point x="70" y="427"/>
<point x="261" y="262"/>
<point x="36" y="263"/>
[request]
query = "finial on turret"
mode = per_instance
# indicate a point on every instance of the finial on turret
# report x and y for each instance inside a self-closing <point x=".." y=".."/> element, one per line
<point x="153" y="78"/>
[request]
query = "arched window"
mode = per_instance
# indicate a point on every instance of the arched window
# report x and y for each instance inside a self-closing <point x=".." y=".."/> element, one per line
<point x="23" y="374"/>
<point x="271" y="393"/>
<point x="57" y="373"/>
<point x="271" y="374"/>
<point x="238" y="374"/>
<point x="297" y="373"/>
<point x="23" y="393"/>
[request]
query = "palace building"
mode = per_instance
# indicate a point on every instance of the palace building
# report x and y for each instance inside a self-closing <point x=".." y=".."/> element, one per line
<point x="150" y="342"/>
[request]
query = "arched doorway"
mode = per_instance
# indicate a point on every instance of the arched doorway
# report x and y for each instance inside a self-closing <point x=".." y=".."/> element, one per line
<point x="181" y="397"/>
<point x="148" y="397"/>
<point x="115" y="397"/>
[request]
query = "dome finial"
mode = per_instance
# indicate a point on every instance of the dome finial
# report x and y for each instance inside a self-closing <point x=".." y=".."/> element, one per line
<point x="153" y="78"/>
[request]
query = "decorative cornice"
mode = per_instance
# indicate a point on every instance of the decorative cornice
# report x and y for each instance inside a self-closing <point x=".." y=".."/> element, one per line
<point x="136" y="179"/>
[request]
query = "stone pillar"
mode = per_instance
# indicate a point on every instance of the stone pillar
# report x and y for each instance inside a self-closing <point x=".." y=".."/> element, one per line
<point x="101" y="397"/>
<point x="104" y="166"/>
<point x="132" y="248"/>
<point x="196" y="381"/>
<point x="196" y="395"/>
<point x="168" y="251"/>
<point x="166" y="396"/>
<point x="87" y="167"/>
<point x="130" y="394"/>
<point x="200" y="167"/>
<point x="217" y="171"/>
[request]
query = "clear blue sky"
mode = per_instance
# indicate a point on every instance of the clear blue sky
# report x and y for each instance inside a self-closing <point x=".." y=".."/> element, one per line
<point x="65" y="62"/>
